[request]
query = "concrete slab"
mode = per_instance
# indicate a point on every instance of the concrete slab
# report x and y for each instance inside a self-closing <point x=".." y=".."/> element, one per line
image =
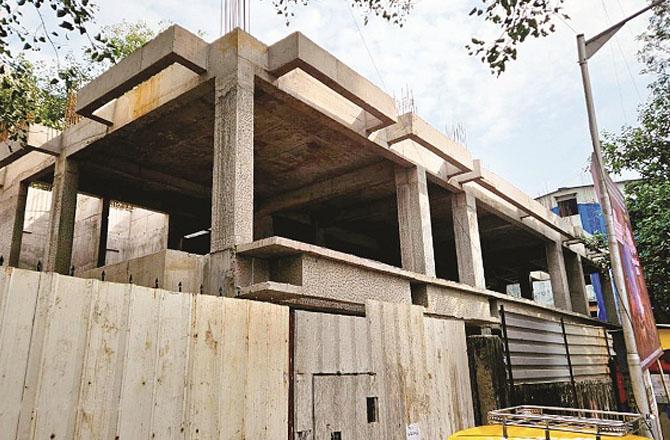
<point x="295" y="297"/>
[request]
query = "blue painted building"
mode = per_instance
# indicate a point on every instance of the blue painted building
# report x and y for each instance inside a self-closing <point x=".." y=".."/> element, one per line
<point x="580" y="205"/>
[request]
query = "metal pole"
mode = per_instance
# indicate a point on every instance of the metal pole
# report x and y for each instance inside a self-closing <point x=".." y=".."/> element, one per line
<point x="632" y="357"/>
<point x="612" y="369"/>
<point x="665" y="385"/>
<point x="572" y="374"/>
<point x="508" y="357"/>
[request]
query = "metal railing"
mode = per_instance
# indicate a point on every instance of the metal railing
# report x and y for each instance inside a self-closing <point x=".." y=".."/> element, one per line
<point x="583" y="421"/>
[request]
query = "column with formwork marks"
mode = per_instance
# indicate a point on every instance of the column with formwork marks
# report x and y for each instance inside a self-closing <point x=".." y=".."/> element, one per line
<point x="233" y="177"/>
<point x="558" y="275"/>
<point x="416" y="235"/>
<point x="576" y="282"/>
<point x="468" y="244"/>
<point x="58" y="255"/>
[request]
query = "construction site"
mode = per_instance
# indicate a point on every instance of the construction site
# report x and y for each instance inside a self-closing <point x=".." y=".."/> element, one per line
<point x="250" y="241"/>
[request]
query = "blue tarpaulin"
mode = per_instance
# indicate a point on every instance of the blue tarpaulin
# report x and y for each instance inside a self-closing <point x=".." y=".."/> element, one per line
<point x="593" y="222"/>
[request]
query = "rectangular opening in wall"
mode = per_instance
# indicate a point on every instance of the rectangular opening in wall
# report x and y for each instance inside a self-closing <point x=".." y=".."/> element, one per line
<point x="336" y="435"/>
<point x="372" y="409"/>
<point x="567" y="206"/>
<point x="419" y="294"/>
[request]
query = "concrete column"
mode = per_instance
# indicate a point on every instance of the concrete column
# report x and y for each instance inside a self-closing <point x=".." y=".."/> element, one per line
<point x="468" y="244"/>
<point x="104" y="230"/>
<point x="233" y="179"/>
<point x="558" y="275"/>
<point x="61" y="218"/>
<point x="610" y="301"/>
<point x="576" y="282"/>
<point x="18" y="211"/>
<point x="416" y="235"/>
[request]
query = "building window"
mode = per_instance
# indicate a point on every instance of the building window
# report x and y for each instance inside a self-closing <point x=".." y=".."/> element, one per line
<point x="567" y="207"/>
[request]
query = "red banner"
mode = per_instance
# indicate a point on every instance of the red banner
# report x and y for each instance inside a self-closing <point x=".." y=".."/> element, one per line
<point x="641" y="313"/>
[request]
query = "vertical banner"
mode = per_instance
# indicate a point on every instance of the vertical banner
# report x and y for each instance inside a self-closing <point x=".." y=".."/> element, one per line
<point x="640" y="310"/>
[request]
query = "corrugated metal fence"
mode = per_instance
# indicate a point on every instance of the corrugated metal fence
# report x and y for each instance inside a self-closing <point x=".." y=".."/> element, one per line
<point x="544" y="350"/>
<point x="90" y="359"/>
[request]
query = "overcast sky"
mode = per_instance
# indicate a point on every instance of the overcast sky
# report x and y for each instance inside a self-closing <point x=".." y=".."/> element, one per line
<point x="529" y="125"/>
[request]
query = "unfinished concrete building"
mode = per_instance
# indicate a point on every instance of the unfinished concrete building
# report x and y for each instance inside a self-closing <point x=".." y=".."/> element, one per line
<point x="280" y="175"/>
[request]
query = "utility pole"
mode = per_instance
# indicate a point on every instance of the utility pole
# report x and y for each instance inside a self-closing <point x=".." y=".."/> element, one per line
<point x="586" y="49"/>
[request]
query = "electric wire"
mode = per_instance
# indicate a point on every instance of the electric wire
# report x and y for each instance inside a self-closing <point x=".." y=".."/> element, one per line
<point x="365" y="44"/>
<point x="618" y="44"/>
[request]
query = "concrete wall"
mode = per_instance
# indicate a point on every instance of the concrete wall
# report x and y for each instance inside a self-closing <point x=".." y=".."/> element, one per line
<point x="170" y="269"/>
<point x="133" y="231"/>
<point x="90" y="359"/>
<point x="35" y="227"/>
<point x="86" y="232"/>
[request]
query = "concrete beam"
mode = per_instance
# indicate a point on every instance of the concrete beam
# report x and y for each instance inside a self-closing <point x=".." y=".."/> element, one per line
<point x="498" y="193"/>
<point x="576" y="282"/>
<point x="61" y="219"/>
<point x="558" y="275"/>
<point x="519" y="199"/>
<point x="510" y="213"/>
<point x="380" y="173"/>
<point x="233" y="178"/>
<point x="466" y="237"/>
<point x="298" y="52"/>
<point x="411" y="126"/>
<point x="375" y="210"/>
<point x="136" y="172"/>
<point x="416" y="236"/>
<point x="37" y="137"/>
<point x="329" y="120"/>
<point x="174" y="45"/>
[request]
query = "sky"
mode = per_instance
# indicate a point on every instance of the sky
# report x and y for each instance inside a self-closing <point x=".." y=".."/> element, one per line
<point x="528" y="125"/>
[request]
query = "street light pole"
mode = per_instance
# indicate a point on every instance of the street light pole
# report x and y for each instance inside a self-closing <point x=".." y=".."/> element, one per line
<point x="586" y="49"/>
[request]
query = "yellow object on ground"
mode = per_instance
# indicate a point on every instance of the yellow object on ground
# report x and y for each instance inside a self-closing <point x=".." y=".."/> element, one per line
<point x="664" y="336"/>
<point x="495" y="432"/>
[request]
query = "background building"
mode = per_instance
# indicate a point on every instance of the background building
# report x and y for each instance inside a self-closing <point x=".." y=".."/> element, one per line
<point x="579" y="204"/>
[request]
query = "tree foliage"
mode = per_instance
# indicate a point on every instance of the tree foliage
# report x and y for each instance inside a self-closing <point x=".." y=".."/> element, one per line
<point x="57" y="19"/>
<point x="39" y="93"/>
<point x="517" y="20"/>
<point x="645" y="148"/>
